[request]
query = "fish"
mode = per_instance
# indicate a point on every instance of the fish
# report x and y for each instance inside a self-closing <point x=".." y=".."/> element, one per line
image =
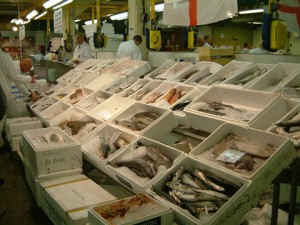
<point x="248" y="78"/>
<point x="202" y="77"/>
<point x="294" y="121"/>
<point x="76" y="126"/>
<point x="181" y="106"/>
<point x="145" y="117"/>
<point x="187" y="76"/>
<point x="212" y="112"/>
<point x="61" y="95"/>
<point x="152" y="98"/>
<point x="49" y="93"/>
<point x="175" y="97"/>
<point x="180" y="187"/>
<point x="229" y="74"/>
<point x="170" y="94"/>
<point x="127" y="124"/>
<point x="164" y="195"/>
<point x="255" y="148"/>
<point x="138" y="166"/>
<point x="56" y="138"/>
<point x="219" y="105"/>
<point x="199" y="174"/>
<point x="195" y="197"/>
<point x="187" y="179"/>
<point x="215" y="194"/>
<point x="42" y="139"/>
<point x="175" y="197"/>
<point x="159" y="157"/>
<point x="178" y="174"/>
<point x="141" y="95"/>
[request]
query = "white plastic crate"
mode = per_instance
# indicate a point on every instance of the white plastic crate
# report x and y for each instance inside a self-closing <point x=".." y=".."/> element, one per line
<point x="234" y="80"/>
<point x="91" y="147"/>
<point x="70" y="76"/>
<point x="54" y="110"/>
<point x="230" y="213"/>
<point x="121" y="84"/>
<point x="196" y="70"/>
<point x="161" y="69"/>
<point x="251" y="105"/>
<point x="34" y="182"/>
<point x="44" y="105"/>
<point x="153" y="212"/>
<point x="66" y="200"/>
<point x="264" y="171"/>
<point x="102" y="66"/>
<point x="276" y="77"/>
<point x="102" y="82"/>
<point x="128" y="178"/>
<point x="138" y="108"/>
<point x="229" y="70"/>
<point x="47" y="156"/>
<point x="87" y="79"/>
<point x="159" y="91"/>
<point x="39" y="101"/>
<point x="168" y="123"/>
<point x="136" y="69"/>
<point x="290" y="89"/>
<point x="15" y="126"/>
<point x="53" y="90"/>
<point x="138" y="85"/>
<point x="15" y="142"/>
<point x="64" y="91"/>
<point x="71" y="114"/>
<point x="111" y="108"/>
<point x="93" y="100"/>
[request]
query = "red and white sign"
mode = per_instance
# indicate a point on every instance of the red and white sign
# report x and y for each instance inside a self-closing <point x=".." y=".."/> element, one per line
<point x="289" y="10"/>
<point x="198" y="12"/>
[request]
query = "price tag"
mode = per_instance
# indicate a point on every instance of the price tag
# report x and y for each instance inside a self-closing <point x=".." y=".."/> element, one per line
<point x="230" y="156"/>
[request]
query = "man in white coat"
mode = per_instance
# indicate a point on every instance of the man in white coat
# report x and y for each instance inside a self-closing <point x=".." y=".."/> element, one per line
<point x="82" y="51"/>
<point x="130" y="48"/>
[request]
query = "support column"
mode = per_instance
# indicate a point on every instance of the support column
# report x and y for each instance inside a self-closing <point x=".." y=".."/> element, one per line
<point x="135" y="9"/>
<point x="69" y="25"/>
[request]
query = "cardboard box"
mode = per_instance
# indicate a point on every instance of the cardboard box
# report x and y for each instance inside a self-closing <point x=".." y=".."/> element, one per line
<point x="128" y="178"/>
<point x="15" y="126"/>
<point x="230" y="213"/>
<point x="148" y="213"/>
<point x="66" y="201"/>
<point x="46" y="156"/>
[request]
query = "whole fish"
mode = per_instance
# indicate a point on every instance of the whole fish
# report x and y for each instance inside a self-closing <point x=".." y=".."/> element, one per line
<point x="182" y="105"/>
<point x="202" y="77"/>
<point x="180" y="187"/>
<point x="255" y="148"/>
<point x="248" y="77"/>
<point x="188" y="180"/>
<point x="199" y="174"/>
<point x="141" y="95"/>
<point x="212" y="112"/>
<point x="294" y="121"/>
<point x="145" y="117"/>
<point x="214" y="194"/>
<point x="195" y="197"/>
<point x="174" y="197"/>
<point x="56" y="138"/>
<point x="139" y="166"/>
<point x="158" y="157"/>
<point x="127" y="124"/>
<point x="188" y="75"/>
<point x="164" y="195"/>
<point x="178" y="174"/>
<point x="219" y="105"/>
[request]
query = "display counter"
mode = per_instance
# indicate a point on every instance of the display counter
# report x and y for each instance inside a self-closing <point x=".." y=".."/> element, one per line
<point x="267" y="58"/>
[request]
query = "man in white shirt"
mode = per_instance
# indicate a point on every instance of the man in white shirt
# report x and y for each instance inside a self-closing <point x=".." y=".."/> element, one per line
<point x="130" y="49"/>
<point x="23" y="67"/>
<point x="208" y="42"/>
<point x="82" y="51"/>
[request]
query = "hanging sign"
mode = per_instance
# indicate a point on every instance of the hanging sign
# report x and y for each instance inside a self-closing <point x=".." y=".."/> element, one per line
<point x="58" y="21"/>
<point x="21" y="32"/>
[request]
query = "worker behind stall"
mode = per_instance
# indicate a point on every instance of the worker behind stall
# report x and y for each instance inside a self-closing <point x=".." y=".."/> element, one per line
<point x="82" y="51"/>
<point x="207" y="42"/>
<point x="130" y="49"/>
<point x="246" y="48"/>
<point x="259" y="50"/>
<point x="23" y="67"/>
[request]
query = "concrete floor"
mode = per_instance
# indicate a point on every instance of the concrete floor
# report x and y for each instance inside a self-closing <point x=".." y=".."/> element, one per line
<point x="21" y="208"/>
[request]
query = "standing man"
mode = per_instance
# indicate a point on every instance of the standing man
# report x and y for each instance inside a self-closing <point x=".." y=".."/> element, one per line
<point x="130" y="49"/>
<point x="208" y="42"/>
<point x="82" y="51"/>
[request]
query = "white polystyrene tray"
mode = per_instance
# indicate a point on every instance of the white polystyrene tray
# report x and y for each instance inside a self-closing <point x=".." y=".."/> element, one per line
<point x="255" y="102"/>
<point x="111" y="107"/>
<point x="294" y="82"/>
<point x="276" y="77"/>
<point x="70" y="76"/>
<point x="230" y="213"/>
<point x="162" y="89"/>
<point x="91" y="146"/>
<point x="136" y="69"/>
<point x="258" y="66"/>
<point x="137" y="108"/>
<point x="149" y="87"/>
<point x="134" y="182"/>
<point x="71" y="114"/>
<point x="138" y="85"/>
<point x="90" y="102"/>
<point x="121" y="84"/>
<point x="102" y="82"/>
<point x="203" y="123"/>
<point x="235" y="66"/>
<point x="15" y="126"/>
<point x="44" y="105"/>
<point x="54" y="89"/>
<point x="64" y="91"/>
<point x="86" y="80"/>
<point x="85" y="93"/>
<point x="54" y="110"/>
<point x="165" y="66"/>
<point x="263" y="173"/>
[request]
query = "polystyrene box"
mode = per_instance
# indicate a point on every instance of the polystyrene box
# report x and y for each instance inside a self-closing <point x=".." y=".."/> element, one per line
<point x="44" y="105"/>
<point x="39" y="101"/>
<point x="15" y="126"/>
<point x="253" y="104"/>
<point x="102" y="66"/>
<point x="70" y="77"/>
<point x="87" y="79"/>
<point x="264" y="171"/>
<point x="138" y="108"/>
<point x="229" y="70"/>
<point x="47" y="156"/>
<point x="168" y="123"/>
<point x="64" y="91"/>
<point x="230" y="213"/>
<point x="121" y="84"/>
<point x="161" y="69"/>
<point x="291" y="84"/>
<point x="149" y="87"/>
<point x="196" y="70"/>
<point x="93" y="100"/>
<point x="34" y="182"/>
<point x="15" y="142"/>
<point x="160" y="90"/>
<point x="136" y="69"/>
<point x="53" y="90"/>
<point x="102" y="81"/>
<point x="68" y="99"/>
<point x="129" y="179"/>
<point x="111" y="107"/>
<point x="276" y="77"/>
<point x="234" y="80"/>
<point x="66" y="201"/>
<point x="162" y="215"/>
<point x="71" y="114"/>
<point x="91" y="147"/>
<point x="89" y="63"/>
<point x="54" y="110"/>
<point x="139" y="84"/>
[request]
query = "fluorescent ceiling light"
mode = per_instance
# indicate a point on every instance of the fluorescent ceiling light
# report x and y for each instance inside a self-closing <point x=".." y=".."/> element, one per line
<point x="159" y="7"/>
<point x="32" y="14"/>
<point x="120" y="16"/>
<point x="13" y="20"/>
<point x="19" y="21"/>
<point x="251" y="11"/>
<point x="42" y="14"/>
<point x="89" y="22"/>
<point x="51" y="3"/>
<point x="77" y="20"/>
<point x="62" y="4"/>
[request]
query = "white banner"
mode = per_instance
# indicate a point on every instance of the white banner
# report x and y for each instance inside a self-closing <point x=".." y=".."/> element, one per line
<point x="58" y="20"/>
<point x="289" y="10"/>
<point x="198" y="12"/>
<point x="22" y="32"/>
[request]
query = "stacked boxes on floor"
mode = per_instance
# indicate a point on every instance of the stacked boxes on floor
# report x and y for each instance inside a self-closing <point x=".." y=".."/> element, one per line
<point x="15" y="126"/>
